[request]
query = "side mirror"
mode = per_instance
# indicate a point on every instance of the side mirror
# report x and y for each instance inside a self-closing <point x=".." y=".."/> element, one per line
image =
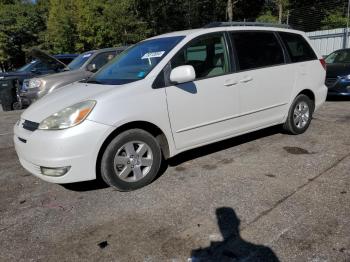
<point x="182" y="74"/>
<point x="92" y="68"/>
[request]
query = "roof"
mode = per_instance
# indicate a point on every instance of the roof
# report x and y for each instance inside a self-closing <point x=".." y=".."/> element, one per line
<point x="200" y="31"/>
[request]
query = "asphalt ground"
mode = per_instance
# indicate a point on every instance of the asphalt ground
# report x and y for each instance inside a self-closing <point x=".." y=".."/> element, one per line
<point x="264" y="196"/>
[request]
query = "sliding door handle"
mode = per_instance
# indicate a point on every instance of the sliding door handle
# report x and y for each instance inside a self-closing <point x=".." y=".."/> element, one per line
<point x="230" y="82"/>
<point x="246" y="79"/>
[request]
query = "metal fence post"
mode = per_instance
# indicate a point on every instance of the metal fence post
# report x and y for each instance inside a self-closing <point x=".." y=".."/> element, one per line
<point x="347" y="27"/>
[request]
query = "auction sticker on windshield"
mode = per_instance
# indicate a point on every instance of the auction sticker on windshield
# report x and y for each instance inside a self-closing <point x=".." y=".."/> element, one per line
<point x="153" y="54"/>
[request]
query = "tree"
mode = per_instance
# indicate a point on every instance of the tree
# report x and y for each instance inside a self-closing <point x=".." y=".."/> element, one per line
<point x="229" y="9"/>
<point x="20" y="26"/>
<point x="267" y="17"/>
<point x="61" y="28"/>
<point x="334" y="19"/>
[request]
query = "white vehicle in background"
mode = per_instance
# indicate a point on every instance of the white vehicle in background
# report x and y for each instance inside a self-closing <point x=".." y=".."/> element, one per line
<point x="169" y="94"/>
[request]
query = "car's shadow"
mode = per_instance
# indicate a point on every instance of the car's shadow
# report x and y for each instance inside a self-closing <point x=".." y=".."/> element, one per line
<point x="186" y="156"/>
<point x="338" y="98"/>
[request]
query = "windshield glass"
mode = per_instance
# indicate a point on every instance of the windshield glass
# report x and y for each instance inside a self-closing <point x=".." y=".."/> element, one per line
<point x="136" y="62"/>
<point x="79" y="61"/>
<point x="341" y="56"/>
<point x="27" y="67"/>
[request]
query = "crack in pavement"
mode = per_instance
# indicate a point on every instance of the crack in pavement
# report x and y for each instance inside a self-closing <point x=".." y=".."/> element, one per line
<point x="266" y="212"/>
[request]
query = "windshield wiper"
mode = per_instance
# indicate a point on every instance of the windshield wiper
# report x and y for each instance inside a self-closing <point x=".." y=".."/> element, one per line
<point x="92" y="81"/>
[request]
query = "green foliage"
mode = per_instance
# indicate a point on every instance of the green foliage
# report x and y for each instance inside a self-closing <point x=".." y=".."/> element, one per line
<point x="334" y="19"/>
<point x="19" y="28"/>
<point x="72" y="26"/>
<point x="61" y="28"/>
<point x="267" y="17"/>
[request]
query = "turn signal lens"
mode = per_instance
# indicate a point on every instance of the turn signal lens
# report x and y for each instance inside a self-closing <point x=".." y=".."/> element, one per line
<point x="323" y="63"/>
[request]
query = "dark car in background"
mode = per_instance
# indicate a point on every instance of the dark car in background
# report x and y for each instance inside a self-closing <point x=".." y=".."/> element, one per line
<point x="338" y="73"/>
<point x="43" y="64"/>
<point x="80" y="68"/>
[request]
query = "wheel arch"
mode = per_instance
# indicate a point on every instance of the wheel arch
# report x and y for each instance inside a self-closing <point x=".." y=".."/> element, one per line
<point x="143" y="125"/>
<point x="310" y="94"/>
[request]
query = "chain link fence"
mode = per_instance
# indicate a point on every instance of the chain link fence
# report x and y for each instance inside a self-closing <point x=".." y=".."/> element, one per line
<point x="326" y="24"/>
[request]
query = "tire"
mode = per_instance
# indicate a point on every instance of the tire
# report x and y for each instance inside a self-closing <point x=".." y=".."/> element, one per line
<point x="131" y="160"/>
<point x="6" y="107"/>
<point x="299" y="115"/>
<point x="17" y="106"/>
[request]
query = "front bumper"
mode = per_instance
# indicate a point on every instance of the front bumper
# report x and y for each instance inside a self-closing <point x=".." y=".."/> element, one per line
<point x="31" y="95"/>
<point x="76" y="147"/>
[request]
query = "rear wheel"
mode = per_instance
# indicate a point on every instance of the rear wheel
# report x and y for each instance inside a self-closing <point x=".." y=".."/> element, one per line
<point x="131" y="160"/>
<point x="300" y="115"/>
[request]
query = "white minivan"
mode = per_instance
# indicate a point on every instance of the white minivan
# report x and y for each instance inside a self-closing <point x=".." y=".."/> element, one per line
<point x="169" y="94"/>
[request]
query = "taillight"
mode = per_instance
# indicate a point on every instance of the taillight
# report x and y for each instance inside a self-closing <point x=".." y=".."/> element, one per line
<point x="323" y="63"/>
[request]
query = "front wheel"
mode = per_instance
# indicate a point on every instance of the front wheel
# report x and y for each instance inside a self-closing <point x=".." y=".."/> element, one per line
<point x="300" y="115"/>
<point x="131" y="160"/>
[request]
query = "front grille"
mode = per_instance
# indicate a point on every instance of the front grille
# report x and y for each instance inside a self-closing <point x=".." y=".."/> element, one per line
<point x="29" y="125"/>
<point x="330" y="81"/>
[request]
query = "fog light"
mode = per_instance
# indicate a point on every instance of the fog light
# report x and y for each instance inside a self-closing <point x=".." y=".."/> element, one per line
<point x="54" y="171"/>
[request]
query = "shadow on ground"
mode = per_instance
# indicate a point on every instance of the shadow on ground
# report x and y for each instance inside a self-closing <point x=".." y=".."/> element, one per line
<point x="338" y="98"/>
<point x="86" y="186"/>
<point x="233" y="247"/>
<point x="223" y="145"/>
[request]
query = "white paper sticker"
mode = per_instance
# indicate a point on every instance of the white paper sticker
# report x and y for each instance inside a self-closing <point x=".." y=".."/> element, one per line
<point x="87" y="55"/>
<point x="153" y="54"/>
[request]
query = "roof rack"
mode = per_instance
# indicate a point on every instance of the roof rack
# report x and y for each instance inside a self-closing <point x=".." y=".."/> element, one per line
<point x="222" y="24"/>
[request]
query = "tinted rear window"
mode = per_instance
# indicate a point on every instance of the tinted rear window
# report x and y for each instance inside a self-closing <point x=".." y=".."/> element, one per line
<point x="257" y="49"/>
<point x="298" y="48"/>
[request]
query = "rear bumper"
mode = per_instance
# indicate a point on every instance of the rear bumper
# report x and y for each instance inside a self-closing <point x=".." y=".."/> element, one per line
<point x="75" y="147"/>
<point x="337" y="93"/>
<point x="320" y="96"/>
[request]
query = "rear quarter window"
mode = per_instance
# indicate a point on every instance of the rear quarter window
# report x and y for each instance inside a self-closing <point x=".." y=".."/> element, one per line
<point x="298" y="48"/>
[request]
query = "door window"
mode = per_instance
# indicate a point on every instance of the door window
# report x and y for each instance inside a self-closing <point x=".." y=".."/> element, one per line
<point x="47" y="66"/>
<point x="207" y="55"/>
<point x="298" y="48"/>
<point x="257" y="49"/>
<point x="101" y="59"/>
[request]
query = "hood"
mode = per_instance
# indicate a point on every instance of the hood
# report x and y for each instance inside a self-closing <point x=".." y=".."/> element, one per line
<point x="335" y="70"/>
<point x="62" y="98"/>
<point x="64" y="76"/>
<point x="41" y="55"/>
<point x="10" y="74"/>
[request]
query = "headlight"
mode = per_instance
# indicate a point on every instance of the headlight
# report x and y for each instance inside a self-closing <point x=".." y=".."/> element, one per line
<point x="68" y="117"/>
<point x="35" y="83"/>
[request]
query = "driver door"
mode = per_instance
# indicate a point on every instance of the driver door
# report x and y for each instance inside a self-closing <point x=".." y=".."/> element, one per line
<point x="204" y="110"/>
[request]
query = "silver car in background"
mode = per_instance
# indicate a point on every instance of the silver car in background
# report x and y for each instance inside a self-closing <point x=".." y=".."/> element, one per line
<point x="80" y="68"/>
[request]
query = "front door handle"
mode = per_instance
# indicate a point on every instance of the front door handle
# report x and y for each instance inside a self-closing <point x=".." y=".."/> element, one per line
<point x="246" y="79"/>
<point x="230" y="82"/>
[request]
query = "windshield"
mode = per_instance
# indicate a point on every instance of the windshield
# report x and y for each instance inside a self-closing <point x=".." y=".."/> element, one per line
<point x="79" y="61"/>
<point x="341" y="56"/>
<point x="136" y="62"/>
<point x="27" y="67"/>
